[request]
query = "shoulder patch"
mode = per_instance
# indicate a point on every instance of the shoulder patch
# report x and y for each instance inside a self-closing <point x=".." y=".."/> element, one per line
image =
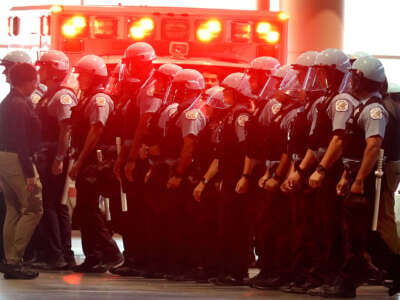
<point x="192" y="114"/>
<point x="66" y="99"/>
<point x="35" y="98"/>
<point x="276" y="108"/>
<point x="242" y="119"/>
<point x="376" y="113"/>
<point x="101" y="101"/>
<point x="342" y="105"/>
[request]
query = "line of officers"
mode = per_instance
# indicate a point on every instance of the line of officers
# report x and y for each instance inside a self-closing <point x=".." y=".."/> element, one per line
<point x="278" y="160"/>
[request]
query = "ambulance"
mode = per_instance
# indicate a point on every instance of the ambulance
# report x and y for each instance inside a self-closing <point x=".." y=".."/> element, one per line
<point x="215" y="41"/>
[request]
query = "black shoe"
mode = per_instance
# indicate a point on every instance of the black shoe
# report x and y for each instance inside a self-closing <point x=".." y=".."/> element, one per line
<point x="229" y="280"/>
<point x="90" y="266"/>
<point x="71" y="263"/>
<point x="58" y="264"/>
<point x="318" y="291"/>
<point x="340" y="289"/>
<point x="262" y="276"/>
<point x="287" y="288"/>
<point x="272" y="283"/>
<point x="19" y="272"/>
<point x="395" y="288"/>
<point x="188" y="276"/>
<point x="202" y="276"/>
<point x="114" y="262"/>
<point x="126" y="270"/>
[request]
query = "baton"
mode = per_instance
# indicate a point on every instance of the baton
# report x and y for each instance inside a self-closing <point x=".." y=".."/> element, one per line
<point x="106" y="201"/>
<point x="124" y="202"/>
<point x="69" y="183"/>
<point x="378" y="185"/>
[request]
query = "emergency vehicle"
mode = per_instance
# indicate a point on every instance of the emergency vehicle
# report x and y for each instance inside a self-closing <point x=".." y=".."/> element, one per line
<point x="213" y="40"/>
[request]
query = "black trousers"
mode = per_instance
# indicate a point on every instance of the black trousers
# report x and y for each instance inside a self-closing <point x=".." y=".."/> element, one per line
<point x="157" y="219"/>
<point x="134" y="229"/>
<point x="327" y="230"/>
<point x="55" y="225"/>
<point x="97" y="242"/>
<point x="234" y="228"/>
<point x="277" y="237"/>
<point x="205" y="247"/>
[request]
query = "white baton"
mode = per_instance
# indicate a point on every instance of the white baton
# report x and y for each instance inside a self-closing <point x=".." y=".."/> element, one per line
<point x="124" y="202"/>
<point x="378" y="185"/>
<point x="68" y="183"/>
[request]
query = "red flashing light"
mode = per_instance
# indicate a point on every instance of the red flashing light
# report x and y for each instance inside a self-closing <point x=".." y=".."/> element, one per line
<point x="267" y="33"/>
<point x="74" y="26"/>
<point x="142" y="28"/>
<point x="209" y="30"/>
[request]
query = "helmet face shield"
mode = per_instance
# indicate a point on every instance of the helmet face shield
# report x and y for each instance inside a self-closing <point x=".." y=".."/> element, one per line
<point x="214" y="98"/>
<point x="293" y="80"/>
<point x="270" y="88"/>
<point x="317" y="79"/>
<point x="351" y="82"/>
<point x="177" y="93"/>
<point x="292" y="84"/>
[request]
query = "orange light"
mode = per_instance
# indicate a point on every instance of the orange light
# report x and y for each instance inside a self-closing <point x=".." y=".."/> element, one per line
<point x="273" y="37"/>
<point x="283" y="16"/>
<point x="141" y="28"/>
<point x="79" y="22"/>
<point x="214" y="26"/>
<point x="209" y="30"/>
<point x="263" y="27"/>
<point x="204" y="35"/>
<point x="267" y="33"/>
<point x="74" y="26"/>
<point x="147" y="24"/>
<point x="56" y="9"/>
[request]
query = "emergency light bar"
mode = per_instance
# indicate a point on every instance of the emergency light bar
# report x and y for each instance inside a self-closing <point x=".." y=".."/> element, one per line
<point x="74" y="26"/>
<point x="141" y="28"/>
<point x="266" y="32"/>
<point x="209" y="30"/>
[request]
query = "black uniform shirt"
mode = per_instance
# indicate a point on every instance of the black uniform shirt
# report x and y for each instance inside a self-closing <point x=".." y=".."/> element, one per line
<point x="19" y="129"/>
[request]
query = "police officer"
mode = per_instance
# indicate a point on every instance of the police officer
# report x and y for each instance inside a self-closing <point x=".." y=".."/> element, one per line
<point x="182" y="127"/>
<point x="233" y="219"/>
<point x="54" y="110"/>
<point x="363" y="138"/>
<point x="259" y="70"/>
<point x="290" y="105"/>
<point x="321" y="83"/>
<point x="8" y="61"/>
<point x="89" y="119"/>
<point x="258" y="145"/>
<point x="149" y="105"/>
<point x="136" y="75"/>
<point x="178" y="126"/>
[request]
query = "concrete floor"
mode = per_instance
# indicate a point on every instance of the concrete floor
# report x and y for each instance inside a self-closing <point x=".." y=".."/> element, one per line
<point x="67" y="285"/>
<point x="106" y="286"/>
